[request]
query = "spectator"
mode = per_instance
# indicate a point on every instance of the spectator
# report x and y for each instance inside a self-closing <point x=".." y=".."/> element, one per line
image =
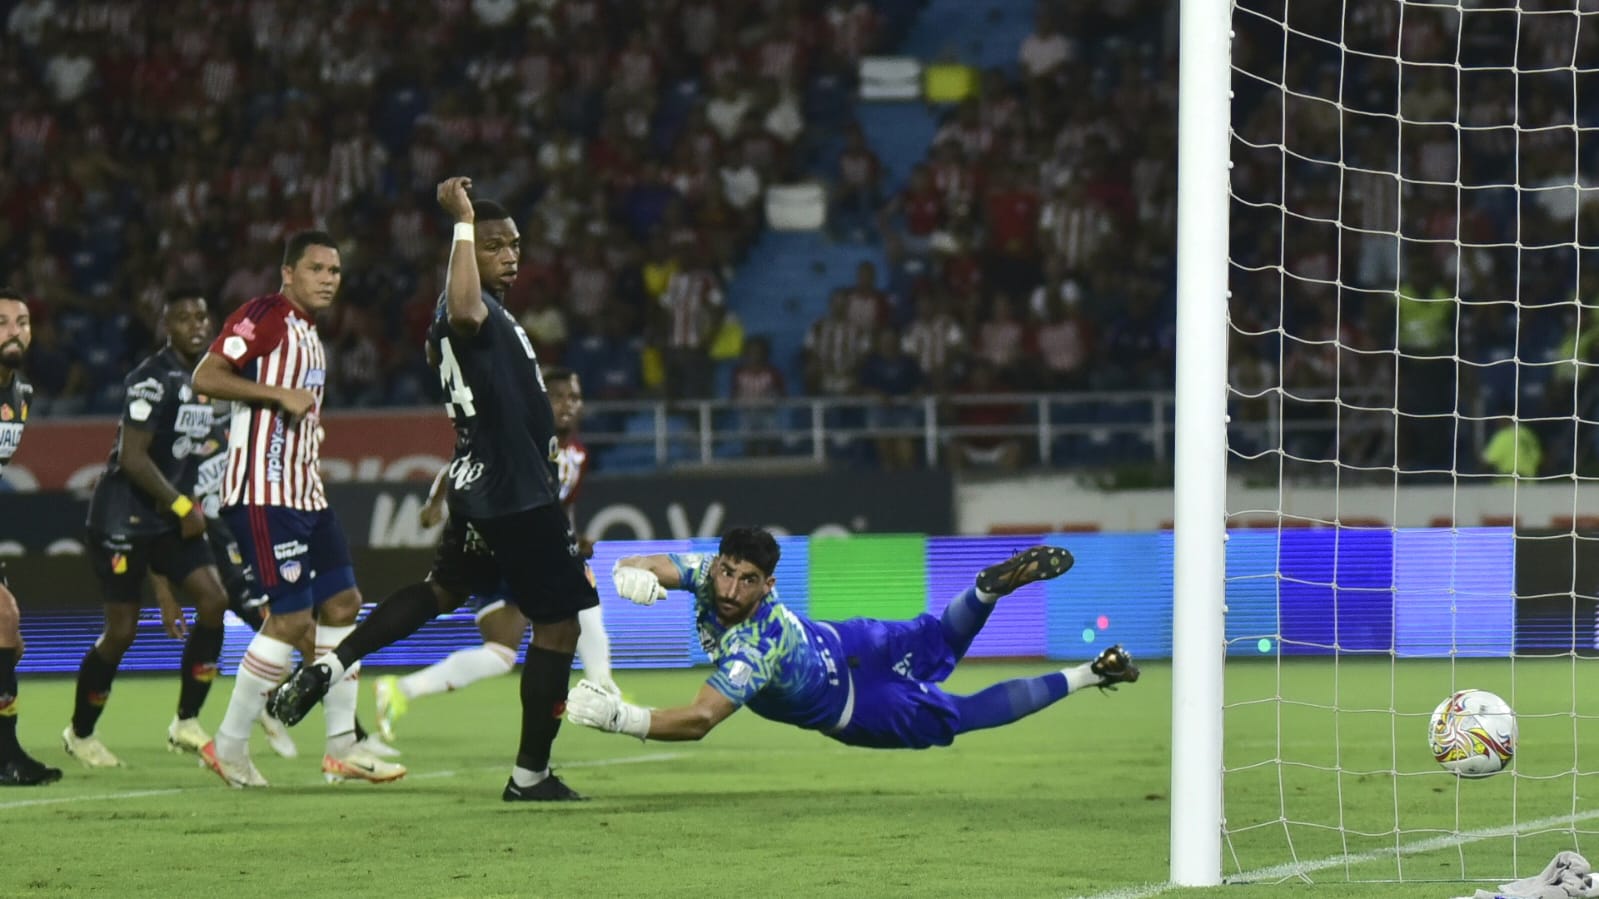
<point x="694" y="307"/>
<point x="980" y="441"/>
<point x="858" y="194"/>
<point x="894" y="380"/>
<point x="757" y="386"/>
<point x="937" y="342"/>
<point x="834" y="346"/>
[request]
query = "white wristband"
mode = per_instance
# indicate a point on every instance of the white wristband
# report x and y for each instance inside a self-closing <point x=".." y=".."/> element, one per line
<point x="465" y="231"/>
<point x="633" y="720"/>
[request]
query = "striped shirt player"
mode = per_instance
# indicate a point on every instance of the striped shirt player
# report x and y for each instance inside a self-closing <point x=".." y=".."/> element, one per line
<point x="17" y="768"/>
<point x="862" y="682"/>
<point x="269" y="362"/>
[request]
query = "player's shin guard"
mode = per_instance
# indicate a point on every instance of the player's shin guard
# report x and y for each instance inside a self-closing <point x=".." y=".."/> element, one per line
<point x="1009" y="701"/>
<point x="594" y="646"/>
<point x="9" y="748"/>
<point x="962" y="620"/>
<point x="265" y="663"/>
<point x="338" y="706"/>
<point x="94" y="688"/>
<point x="399" y="616"/>
<point x="544" y="678"/>
<point x="200" y="656"/>
<point x="458" y="669"/>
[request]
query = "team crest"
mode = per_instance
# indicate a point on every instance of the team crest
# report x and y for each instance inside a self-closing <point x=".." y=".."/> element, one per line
<point x="290" y="570"/>
<point x="5" y="412"/>
<point x="119" y="563"/>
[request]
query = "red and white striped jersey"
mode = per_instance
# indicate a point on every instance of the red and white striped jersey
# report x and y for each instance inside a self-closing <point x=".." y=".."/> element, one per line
<point x="571" y="461"/>
<point x="270" y="461"/>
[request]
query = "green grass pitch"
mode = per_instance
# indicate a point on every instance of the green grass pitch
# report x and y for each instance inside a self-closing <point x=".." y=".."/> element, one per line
<point x="1071" y="802"/>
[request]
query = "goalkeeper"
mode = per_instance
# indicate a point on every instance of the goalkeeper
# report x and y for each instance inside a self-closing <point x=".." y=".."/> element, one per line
<point x="862" y="682"/>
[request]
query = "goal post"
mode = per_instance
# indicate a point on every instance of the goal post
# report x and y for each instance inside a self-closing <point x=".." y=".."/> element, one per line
<point x="1199" y="566"/>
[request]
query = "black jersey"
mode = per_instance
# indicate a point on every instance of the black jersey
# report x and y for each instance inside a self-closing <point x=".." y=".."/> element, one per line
<point x="210" y="456"/>
<point x="160" y="399"/>
<point x="505" y="441"/>
<point x="14" y="400"/>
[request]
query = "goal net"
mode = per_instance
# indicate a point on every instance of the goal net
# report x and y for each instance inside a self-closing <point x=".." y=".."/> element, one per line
<point x="1413" y="437"/>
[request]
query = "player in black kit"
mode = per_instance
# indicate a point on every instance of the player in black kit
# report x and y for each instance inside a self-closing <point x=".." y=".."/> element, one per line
<point x="506" y="519"/>
<point x="17" y="768"/>
<point x="141" y="520"/>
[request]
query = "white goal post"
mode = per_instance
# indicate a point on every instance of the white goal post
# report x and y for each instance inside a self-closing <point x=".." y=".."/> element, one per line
<point x="1388" y="274"/>
<point x="1198" y="637"/>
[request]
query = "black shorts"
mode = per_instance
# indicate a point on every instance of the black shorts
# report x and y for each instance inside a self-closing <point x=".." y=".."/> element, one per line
<point x="243" y="592"/>
<point x="121" y="561"/>
<point x="533" y="553"/>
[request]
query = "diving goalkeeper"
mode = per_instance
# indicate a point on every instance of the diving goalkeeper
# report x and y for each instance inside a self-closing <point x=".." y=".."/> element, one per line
<point x="862" y="682"/>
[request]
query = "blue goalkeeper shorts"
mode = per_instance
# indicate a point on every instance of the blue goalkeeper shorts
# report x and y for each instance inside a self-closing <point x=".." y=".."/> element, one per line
<point x="895" y="668"/>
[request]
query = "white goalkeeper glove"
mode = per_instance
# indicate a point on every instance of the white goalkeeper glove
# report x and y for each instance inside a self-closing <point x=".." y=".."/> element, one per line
<point x="637" y="585"/>
<point x="592" y="705"/>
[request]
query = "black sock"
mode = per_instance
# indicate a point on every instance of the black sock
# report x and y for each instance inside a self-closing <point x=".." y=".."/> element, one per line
<point x="94" y="688"/>
<point x="399" y="616"/>
<point x="200" y="656"/>
<point x="9" y="749"/>
<point x="360" y="732"/>
<point x="544" y="678"/>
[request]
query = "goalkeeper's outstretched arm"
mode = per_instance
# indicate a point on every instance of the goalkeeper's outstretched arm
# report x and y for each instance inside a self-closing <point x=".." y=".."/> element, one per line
<point x="593" y="706"/>
<point x="644" y="580"/>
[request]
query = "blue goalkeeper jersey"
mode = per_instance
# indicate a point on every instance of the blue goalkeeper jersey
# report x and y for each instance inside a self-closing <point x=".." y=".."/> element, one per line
<point x="782" y="665"/>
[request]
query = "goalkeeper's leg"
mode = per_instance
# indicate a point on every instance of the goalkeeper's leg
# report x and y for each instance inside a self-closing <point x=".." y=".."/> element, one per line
<point x="1013" y="700"/>
<point x="967" y="614"/>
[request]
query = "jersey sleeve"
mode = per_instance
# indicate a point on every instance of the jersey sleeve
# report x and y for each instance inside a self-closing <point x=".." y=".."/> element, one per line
<point x="690" y="570"/>
<point x="250" y="333"/>
<point x="745" y="668"/>
<point x="145" y="400"/>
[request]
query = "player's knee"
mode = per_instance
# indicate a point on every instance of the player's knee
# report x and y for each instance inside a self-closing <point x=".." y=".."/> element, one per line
<point x="116" y="639"/>
<point x="557" y="636"/>
<point x="446" y="600"/>
<point x="293" y="628"/>
<point x="341" y="609"/>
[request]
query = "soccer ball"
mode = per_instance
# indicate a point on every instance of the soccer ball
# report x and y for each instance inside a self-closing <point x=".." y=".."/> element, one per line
<point x="1473" y="733"/>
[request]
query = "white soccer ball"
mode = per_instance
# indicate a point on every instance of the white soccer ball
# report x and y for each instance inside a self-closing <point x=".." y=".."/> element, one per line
<point x="1473" y="733"/>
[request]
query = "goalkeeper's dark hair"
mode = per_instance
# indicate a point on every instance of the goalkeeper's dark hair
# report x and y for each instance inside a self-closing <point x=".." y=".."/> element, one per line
<point x="488" y="211"/>
<point x="753" y="545"/>
<point x="11" y="293"/>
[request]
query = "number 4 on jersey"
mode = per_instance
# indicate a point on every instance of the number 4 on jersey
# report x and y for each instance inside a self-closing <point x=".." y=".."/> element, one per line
<point x="460" y="402"/>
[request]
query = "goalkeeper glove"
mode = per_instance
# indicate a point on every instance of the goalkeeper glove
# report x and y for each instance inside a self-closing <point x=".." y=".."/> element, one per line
<point x="637" y="585"/>
<point x="592" y="705"/>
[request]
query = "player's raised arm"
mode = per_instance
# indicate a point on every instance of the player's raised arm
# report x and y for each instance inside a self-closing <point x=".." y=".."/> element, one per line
<point x="463" y="288"/>
<point x="594" y="706"/>
<point x="432" y="511"/>
<point x="643" y="580"/>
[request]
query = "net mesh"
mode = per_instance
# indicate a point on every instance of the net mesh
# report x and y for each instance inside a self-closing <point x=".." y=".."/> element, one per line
<point x="1413" y="443"/>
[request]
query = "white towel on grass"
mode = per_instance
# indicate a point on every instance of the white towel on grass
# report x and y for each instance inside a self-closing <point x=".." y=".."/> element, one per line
<point x="1569" y="876"/>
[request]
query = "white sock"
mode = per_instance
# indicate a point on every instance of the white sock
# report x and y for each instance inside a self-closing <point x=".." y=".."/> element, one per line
<point x="459" y="669"/>
<point x="983" y="596"/>
<point x="265" y="664"/>
<point x="594" y="647"/>
<point x="524" y="777"/>
<point x="338" y="707"/>
<point x="1081" y="677"/>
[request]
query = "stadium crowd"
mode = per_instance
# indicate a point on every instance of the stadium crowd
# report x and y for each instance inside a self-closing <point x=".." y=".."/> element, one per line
<point x="1032" y="249"/>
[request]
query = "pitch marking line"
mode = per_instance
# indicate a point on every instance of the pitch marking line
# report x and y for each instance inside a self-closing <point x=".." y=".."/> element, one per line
<point x="1294" y="869"/>
<point x="427" y="775"/>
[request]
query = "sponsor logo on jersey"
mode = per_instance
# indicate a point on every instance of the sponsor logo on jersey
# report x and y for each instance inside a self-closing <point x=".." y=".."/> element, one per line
<point x="290" y="570"/>
<point x="148" y="389"/>
<point x="10" y="438"/>
<point x="275" y="445"/>
<point x="234" y="347"/>
<point x="139" y="410"/>
<point x="316" y="377"/>
<point x="193" y="420"/>
<point x="464" y="472"/>
<point x="281" y="551"/>
<point x="740" y="673"/>
<point x="119" y="563"/>
<point x="185" y="393"/>
<point x="181" y="447"/>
